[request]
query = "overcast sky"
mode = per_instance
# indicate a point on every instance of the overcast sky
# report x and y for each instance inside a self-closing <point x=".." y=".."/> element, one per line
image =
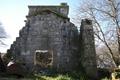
<point x="13" y="12"/>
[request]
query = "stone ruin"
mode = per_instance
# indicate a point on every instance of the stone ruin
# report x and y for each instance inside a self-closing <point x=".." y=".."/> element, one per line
<point x="50" y="41"/>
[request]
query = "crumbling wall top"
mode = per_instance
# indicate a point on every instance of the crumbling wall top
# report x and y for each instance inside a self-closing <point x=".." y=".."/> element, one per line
<point x="87" y="21"/>
<point x="63" y="9"/>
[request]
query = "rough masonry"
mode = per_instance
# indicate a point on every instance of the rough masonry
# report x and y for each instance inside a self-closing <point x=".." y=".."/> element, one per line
<point x="87" y="56"/>
<point x="50" y="40"/>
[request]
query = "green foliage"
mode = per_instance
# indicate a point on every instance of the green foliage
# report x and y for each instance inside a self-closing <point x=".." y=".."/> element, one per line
<point x="105" y="79"/>
<point x="6" y="58"/>
<point x="59" y="77"/>
<point x="68" y="76"/>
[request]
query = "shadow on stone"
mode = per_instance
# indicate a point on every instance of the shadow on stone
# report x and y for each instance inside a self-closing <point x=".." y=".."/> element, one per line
<point x="16" y="69"/>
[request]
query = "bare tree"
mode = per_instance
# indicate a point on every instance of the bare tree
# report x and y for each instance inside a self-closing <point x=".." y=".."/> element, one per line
<point x="115" y="17"/>
<point x="106" y="21"/>
<point x="103" y="58"/>
<point x="3" y="34"/>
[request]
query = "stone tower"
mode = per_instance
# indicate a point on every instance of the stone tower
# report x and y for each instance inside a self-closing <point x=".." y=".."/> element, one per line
<point x="49" y="32"/>
<point x="87" y="48"/>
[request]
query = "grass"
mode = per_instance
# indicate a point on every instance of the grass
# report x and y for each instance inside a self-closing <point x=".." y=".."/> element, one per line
<point x="59" y="77"/>
<point x="105" y="79"/>
<point x="67" y="76"/>
<point x="51" y="77"/>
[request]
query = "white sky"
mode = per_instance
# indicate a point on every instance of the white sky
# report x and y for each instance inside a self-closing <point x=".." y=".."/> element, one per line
<point x="13" y="12"/>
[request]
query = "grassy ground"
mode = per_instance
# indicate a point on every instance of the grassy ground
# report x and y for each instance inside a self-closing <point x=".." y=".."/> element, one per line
<point x="72" y="76"/>
<point x="60" y="77"/>
<point x="14" y="79"/>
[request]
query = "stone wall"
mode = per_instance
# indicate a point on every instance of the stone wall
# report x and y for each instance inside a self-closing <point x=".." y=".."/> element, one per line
<point x="49" y="29"/>
<point x="63" y="9"/>
<point x="87" y="48"/>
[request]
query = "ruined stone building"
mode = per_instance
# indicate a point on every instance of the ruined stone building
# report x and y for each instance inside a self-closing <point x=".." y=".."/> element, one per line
<point x="50" y="40"/>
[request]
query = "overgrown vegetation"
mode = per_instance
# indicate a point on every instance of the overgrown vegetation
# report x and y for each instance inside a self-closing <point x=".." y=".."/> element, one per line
<point x="67" y="76"/>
